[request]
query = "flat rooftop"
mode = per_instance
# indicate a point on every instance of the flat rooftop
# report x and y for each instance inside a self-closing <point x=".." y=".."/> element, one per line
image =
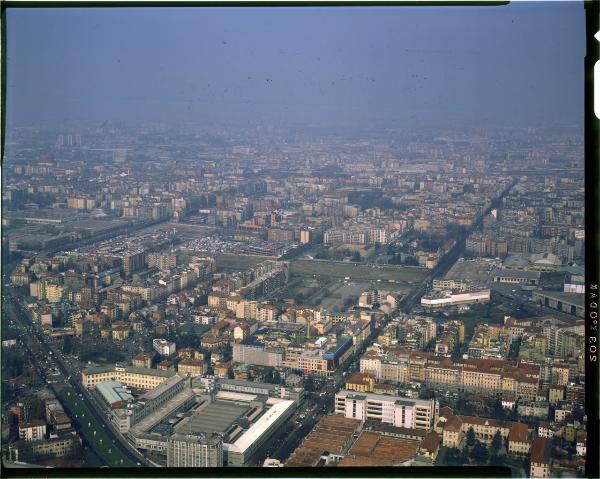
<point x="164" y="411"/>
<point x="471" y="270"/>
<point x="162" y="387"/>
<point x="214" y="417"/>
<point x="260" y="427"/>
<point x="113" y="392"/>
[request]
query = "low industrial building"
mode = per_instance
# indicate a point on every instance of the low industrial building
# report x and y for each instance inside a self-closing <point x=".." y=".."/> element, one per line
<point x="442" y="299"/>
<point x="515" y="276"/>
<point x="569" y="303"/>
<point x="208" y="420"/>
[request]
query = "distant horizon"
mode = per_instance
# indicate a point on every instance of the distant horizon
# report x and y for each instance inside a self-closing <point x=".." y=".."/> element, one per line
<point x="306" y="67"/>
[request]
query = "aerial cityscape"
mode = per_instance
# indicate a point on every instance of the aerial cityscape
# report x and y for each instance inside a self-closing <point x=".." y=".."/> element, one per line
<point x="359" y="289"/>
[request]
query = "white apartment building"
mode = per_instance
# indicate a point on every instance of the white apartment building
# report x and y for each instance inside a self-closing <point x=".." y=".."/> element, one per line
<point x="163" y="347"/>
<point x="395" y="410"/>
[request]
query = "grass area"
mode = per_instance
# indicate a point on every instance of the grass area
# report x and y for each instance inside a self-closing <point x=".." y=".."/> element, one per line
<point x="92" y="432"/>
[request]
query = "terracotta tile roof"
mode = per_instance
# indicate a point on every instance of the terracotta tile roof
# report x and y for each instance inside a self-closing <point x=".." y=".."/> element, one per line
<point x="482" y="421"/>
<point x="330" y="435"/>
<point x="431" y="443"/>
<point x="453" y="424"/>
<point x="394" y="449"/>
<point x="359" y="378"/>
<point x="540" y="450"/>
<point x="518" y="432"/>
<point x="32" y="423"/>
<point x="446" y="411"/>
<point x="365" y="444"/>
<point x="362" y="461"/>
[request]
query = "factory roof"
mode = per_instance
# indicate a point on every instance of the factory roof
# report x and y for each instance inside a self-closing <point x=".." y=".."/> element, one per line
<point x="217" y="416"/>
<point x="113" y="392"/>
<point x="570" y="298"/>
<point x="515" y="273"/>
<point x="264" y="423"/>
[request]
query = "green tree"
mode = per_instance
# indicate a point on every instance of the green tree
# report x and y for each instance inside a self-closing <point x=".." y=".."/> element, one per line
<point x="454" y="457"/>
<point x="471" y="437"/>
<point x="67" y="345"/>
<point x="269" y="377"/>
<point x="12" y="364"/>
<point x="527" y="465"/>
<point x="308" y="383"/>
<point x="480" y="453"/>
<point x="498" y="411"/>
<point x="411" y="261"/>
<point x="496" y="443"/>
<point x="37" y="409"/>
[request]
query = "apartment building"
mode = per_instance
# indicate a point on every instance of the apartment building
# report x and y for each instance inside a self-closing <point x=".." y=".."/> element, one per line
<point x="164" y="262"/>
<point x="195" y="450"/>
<point x="540" y="457"/>
<point x="395" y="410"/>
<point x="142" y="378"/>
<point x="33" y="430"/>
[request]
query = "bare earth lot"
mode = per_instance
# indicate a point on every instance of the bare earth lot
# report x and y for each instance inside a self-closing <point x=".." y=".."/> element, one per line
<point x="403" y="274"/>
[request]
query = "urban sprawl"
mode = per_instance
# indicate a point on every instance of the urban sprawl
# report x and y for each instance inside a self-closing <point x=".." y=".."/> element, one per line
<point x="201" y="297"/>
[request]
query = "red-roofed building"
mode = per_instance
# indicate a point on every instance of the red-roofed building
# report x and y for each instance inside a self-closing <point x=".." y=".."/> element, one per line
<point x="452" y="435"/>
<point x="540" y="457"/>
<point x="518" y="442"/>
<point x="431" y="445"/>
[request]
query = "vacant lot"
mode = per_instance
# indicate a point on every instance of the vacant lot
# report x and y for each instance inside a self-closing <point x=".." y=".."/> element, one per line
<point x="332" y="293"/>
<point x="336" y="269"/>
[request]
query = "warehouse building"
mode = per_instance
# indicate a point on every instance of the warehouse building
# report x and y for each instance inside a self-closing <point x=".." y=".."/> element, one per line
<point x="514" y="276"/>
<point x="200" y="423"/>
<point x="442" y="299"/>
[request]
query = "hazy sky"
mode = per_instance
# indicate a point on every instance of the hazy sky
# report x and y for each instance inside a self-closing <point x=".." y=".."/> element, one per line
<point x="521" y="63"/>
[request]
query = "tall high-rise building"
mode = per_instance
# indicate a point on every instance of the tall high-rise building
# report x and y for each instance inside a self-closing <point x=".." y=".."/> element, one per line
<point x="133" y="262"/>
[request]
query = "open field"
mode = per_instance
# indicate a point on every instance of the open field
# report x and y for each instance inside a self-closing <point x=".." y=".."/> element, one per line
<point x="331" y="293"/>
<point x="358" y="271"/>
